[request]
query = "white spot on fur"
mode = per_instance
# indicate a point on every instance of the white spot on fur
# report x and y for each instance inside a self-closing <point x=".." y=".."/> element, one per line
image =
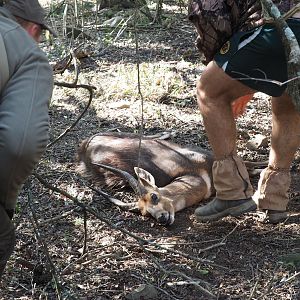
<point x="207" y="180"/>
<point x="180" y="204"/>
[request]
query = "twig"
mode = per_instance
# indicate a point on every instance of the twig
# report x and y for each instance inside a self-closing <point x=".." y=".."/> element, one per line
<point x="119" y="33"/>
<point x="288" y="279"/>
<point x="211" y="247"/>
<point x="269" y="286"/>
<point x="157" y="287"/>
<point x="199" y="251"/>
<point x="71" y="85"/>
<point x="185" y="243"/>
<point x="18" y="221"/>
<point x="66" y="61"/>
<point x="141" y="128"/>
<point x="65" y="271"/>
<point x="56" y="218"/>
<point x="274" y="228"/>
<point x="157" y="17"/>
<point x="233" y="230"/>
<point x="75" y="66"/>
<point x="182" y="282"/>
<point x="85" y="232"/>
<point x="45" y="248"/>
<point x="191" y="281"/>
<point x="253" y="289"/>
<point x="262" y="295"/>
<point x="279" y="83"/>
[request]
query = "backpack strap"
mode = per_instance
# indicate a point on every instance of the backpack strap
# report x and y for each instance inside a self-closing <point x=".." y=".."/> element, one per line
<point x="4" y="70"/>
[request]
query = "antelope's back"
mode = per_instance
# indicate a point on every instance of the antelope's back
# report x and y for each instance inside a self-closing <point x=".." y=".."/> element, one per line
<point x="163" y="159"/>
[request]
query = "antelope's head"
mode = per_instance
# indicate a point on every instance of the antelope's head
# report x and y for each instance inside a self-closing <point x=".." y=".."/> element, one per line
<point x="150" y="201"/>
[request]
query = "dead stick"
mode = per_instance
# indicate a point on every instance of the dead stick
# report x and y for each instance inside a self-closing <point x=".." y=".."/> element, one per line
<point x="85" y="232"/>
<point x="191" y="281"/>
<point x="59" y="217"/>
<point x="70" y="85"/>
<point x="34" y="222"/>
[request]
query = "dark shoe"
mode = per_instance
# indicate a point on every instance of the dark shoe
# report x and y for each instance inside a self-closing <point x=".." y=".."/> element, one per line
<point x="217" y="209"/>
<point x="275" y="216"/>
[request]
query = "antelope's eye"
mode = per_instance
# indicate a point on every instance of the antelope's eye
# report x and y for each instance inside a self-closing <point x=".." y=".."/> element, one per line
<point x="154" y="198"/>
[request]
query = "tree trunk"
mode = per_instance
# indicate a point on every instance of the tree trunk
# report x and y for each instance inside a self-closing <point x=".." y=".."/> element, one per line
<point x="291" y="48"/>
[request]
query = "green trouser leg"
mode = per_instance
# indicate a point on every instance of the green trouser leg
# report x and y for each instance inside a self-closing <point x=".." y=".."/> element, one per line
<point x="7" y="238"/>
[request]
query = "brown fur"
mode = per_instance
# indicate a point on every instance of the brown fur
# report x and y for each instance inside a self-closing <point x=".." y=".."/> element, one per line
<point x="164" y="159"/>
<point x="171" y="177"/>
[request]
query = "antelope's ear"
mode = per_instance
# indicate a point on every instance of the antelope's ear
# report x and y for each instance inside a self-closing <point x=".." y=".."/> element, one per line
<point x="145" y="177"/>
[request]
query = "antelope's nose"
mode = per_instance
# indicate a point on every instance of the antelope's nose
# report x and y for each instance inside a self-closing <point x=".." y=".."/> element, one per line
<point x="163" y="219"/>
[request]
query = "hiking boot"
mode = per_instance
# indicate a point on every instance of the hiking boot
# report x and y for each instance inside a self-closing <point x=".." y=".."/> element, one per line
<point x="217" y="209"/>
<point x="275" y="216"/>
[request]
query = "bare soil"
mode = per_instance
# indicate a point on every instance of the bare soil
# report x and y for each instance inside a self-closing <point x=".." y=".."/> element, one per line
<point x="93" y="255"/>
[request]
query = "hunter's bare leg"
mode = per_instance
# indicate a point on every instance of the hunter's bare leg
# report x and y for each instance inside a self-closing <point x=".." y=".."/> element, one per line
<point x="285" y="132"/>
<point x="216" y="91"/>
<point x="272" y="192"/>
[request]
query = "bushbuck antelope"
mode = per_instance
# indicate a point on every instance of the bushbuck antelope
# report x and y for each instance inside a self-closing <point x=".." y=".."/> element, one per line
<point x="170" y="177"/>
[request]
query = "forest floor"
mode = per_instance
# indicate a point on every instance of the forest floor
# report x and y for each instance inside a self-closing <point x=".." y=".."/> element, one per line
<point x="64" y="251"/>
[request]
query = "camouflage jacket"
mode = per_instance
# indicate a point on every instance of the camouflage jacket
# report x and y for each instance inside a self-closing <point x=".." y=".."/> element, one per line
<point x="217" y="20"/>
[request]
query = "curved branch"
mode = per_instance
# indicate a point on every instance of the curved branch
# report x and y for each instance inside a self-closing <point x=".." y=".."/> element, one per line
<point x="72" y="85"/>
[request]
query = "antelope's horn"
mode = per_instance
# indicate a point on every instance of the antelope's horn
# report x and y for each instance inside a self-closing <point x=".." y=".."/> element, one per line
<point x="125" y="175"/>
<point x="130" y="206"/>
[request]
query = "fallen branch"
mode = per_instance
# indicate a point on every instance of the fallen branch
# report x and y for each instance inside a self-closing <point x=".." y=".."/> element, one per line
<point x="288" y="279"/>
<point x="45" y="248"/>
<point x="57" y="218"/>
<point x="189" y="280"/>
<point x="72" y="85"/>
<point x="233" y="230"/>
<point x="84" y="248"/>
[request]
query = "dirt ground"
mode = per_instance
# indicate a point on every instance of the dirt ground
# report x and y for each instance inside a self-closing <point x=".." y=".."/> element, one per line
<point x="64" y="251"/>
